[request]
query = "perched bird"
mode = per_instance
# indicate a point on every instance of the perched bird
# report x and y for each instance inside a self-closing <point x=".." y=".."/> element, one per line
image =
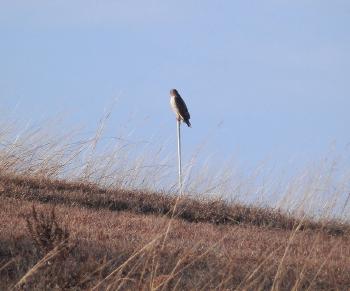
<point x="179" y="107"/>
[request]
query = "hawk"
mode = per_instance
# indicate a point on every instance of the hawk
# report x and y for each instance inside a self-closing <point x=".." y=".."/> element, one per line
<point x="179" y="107"/>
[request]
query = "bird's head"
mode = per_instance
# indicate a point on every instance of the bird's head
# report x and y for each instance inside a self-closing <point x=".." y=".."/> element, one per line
<point x="173" y="92"/>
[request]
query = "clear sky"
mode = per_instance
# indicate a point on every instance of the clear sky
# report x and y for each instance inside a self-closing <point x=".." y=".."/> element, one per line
<point x="262" y="79"/>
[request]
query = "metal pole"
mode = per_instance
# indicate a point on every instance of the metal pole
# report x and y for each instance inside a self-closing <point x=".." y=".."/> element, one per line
<point x="179" y="154"/>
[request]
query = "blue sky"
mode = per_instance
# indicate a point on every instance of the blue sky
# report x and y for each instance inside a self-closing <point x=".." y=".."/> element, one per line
<point x="262" y="79"/>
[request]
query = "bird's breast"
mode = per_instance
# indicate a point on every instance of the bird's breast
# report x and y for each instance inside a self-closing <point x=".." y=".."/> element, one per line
<point x="173" y="103"/>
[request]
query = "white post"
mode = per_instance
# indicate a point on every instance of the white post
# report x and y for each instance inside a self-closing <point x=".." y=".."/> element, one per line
<point x="179" y="154"/>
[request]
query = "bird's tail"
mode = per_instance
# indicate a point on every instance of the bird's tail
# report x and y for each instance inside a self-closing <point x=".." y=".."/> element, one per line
<point x="188" y="123"/>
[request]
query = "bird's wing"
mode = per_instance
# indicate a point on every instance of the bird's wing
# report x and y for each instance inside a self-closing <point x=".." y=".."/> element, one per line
<point x="181" y="105"/>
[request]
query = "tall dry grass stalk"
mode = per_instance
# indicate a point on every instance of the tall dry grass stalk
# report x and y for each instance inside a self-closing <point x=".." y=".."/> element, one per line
<point x="319" y="190"/>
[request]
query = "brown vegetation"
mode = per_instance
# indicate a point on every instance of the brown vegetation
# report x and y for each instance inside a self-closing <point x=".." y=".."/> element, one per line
<point x="101" y="233"/>
<point x="102" y="238"/>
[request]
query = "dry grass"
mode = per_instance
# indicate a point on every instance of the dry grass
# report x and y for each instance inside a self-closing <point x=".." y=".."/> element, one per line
<point x="207" y="210"/>
<point x="72" y="219"/>
<point x="123" y="247"/>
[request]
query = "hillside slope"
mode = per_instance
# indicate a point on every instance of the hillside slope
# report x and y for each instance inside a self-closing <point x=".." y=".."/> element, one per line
<point x="98" y="239"/>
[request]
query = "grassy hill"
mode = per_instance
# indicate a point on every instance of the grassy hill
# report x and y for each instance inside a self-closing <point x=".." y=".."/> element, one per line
<point x="87" y="227"/>
<point x="56" y="234"/>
